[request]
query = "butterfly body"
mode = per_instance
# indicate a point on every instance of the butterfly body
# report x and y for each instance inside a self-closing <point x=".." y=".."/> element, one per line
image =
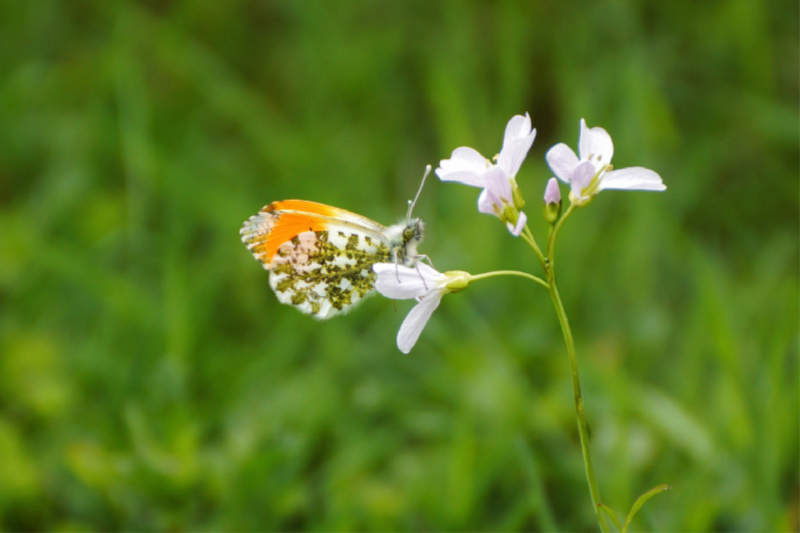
<point x="320" y="257"/>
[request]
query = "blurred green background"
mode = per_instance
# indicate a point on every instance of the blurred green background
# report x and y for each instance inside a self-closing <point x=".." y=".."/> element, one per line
<point x="149" y="380"/>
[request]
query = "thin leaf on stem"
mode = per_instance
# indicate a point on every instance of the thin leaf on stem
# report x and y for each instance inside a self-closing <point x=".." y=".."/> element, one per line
<point x="641" y="501"/>
<point x="611" y="514"/>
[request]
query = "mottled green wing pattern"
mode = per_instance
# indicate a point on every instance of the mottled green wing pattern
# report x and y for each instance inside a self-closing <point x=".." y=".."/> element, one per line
<point x="324" y="273"/>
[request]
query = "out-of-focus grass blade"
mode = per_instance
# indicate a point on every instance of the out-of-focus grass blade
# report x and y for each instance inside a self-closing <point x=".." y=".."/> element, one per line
<point x="610" y="512"/>
<point x="642" y="499"/>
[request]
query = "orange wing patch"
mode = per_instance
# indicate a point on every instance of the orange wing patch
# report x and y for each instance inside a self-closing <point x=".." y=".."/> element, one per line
<point x="267" y="231"/>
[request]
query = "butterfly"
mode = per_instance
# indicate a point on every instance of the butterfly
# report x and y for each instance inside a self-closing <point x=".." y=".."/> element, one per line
<point x="320" y="257"/>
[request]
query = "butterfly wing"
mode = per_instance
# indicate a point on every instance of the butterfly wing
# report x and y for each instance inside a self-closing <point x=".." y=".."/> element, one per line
<point x="279" y="222"/>
<point x="320" y="257"/>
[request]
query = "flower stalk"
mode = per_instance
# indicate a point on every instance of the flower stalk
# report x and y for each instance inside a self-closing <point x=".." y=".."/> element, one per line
<point x="531" y="277"/>
<point x="583" y="428"/>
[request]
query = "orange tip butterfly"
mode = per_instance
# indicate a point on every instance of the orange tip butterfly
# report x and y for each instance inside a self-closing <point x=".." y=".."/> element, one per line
<point x="320" y="257"/>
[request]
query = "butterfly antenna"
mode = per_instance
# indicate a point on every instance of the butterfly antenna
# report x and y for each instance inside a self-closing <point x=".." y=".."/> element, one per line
<point x="412" y="204"/>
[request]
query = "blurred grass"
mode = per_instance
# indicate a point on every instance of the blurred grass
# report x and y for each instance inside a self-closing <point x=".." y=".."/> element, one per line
<point x="149" y="380"/>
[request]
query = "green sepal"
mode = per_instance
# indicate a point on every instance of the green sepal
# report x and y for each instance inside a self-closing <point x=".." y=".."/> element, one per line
<point x="552" y="212"/>
<point x="459" y="282"/>
<point x="516" y="194"/>
<point x="509" y="214"/>
<point x="580" y="203"/>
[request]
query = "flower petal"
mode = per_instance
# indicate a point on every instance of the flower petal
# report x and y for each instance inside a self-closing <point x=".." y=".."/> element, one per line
<point x="633" y="178"/>
<point x="486" y="202"/>
<point x="517" y="128"/>
<point x="466" y="166"/>
<point x="516" y="143"/>
<point x="497" y="181"/>
<point x="430" y="273"/>
<point x="595" y="145"/>
<point x="417" y="318"/>
<point x="401" y="282"/>
<point x="552" y="194"/>
<point x="581" y="178"/>
<point x="521" y="221"/>
<point x="562" y="161"/>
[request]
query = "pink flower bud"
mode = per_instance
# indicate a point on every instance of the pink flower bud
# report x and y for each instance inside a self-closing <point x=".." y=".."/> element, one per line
<point x="552" y="201"/>
<point x="552" y="194"/>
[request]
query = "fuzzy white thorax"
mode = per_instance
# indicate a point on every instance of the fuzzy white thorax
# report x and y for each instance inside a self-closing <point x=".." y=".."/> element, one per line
<point x="404" y="248"/>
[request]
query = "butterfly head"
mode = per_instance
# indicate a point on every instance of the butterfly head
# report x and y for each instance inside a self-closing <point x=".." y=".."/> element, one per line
<point x="404" y="239"/>
<point x="414" y="232"/>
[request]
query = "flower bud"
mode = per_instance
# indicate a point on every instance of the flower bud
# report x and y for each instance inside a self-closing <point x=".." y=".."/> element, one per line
<point x="552" y="201"/>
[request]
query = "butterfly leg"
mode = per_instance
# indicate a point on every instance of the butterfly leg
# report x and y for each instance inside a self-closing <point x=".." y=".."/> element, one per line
<point x="423" y="257"/>
<point x="421" y="277"/>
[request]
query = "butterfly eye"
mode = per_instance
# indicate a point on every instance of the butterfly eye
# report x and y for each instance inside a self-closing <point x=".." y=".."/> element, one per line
<point x="408" y="234"/>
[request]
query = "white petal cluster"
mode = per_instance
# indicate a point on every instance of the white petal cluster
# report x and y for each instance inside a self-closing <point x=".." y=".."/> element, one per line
<point x="468" y="166"/>
<point x="587" y="173"/>
<point x="591" y="172"/>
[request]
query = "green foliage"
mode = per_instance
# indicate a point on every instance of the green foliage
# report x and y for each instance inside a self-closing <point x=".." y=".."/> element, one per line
<point x="149" y="380"/>
<point x="637" y="505"/>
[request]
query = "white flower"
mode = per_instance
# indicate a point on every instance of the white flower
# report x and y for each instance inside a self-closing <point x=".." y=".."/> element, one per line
<point x="592" y="172"/>
<point x="500" y="195"/>
<point x="426" y="285"/>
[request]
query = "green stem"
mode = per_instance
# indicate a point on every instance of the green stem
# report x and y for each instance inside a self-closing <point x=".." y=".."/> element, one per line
<point x="576" y="389"/>
<point x="573" y="363"/>
<point x="551" y="241"/>
<point x="538" y="280"/>
<point x="528" y="236"/>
